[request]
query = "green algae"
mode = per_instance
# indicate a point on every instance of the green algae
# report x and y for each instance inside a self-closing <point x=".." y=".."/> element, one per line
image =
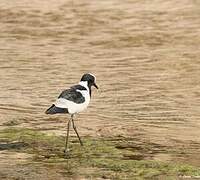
<point x="98" y="158"/>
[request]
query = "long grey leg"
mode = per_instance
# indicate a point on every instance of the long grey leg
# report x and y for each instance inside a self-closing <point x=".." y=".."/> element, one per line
<point x="67" y="136"/>
<point x="76" y="130"/>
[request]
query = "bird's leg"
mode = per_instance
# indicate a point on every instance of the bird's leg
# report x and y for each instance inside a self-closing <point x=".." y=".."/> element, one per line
<point x="76" y="130"/>
<point x="67" y="137"/>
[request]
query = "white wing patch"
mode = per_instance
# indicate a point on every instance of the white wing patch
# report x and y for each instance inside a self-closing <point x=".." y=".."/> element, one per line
<point x="74" y="107"/>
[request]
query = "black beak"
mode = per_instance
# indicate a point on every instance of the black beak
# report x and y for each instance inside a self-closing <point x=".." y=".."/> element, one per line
<point x="95" y="86"/>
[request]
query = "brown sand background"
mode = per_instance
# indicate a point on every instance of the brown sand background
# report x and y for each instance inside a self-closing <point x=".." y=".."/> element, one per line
<point x="145" y="55"/>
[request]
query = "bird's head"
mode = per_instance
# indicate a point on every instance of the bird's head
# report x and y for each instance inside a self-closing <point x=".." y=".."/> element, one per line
<point x="90" y="78"/>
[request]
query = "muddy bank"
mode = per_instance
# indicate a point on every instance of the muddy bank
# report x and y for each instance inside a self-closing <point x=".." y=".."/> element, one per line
<point x="35" y="155"/>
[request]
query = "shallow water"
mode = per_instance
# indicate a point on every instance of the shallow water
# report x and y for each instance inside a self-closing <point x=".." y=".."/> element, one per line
<point x="145" y="55"/>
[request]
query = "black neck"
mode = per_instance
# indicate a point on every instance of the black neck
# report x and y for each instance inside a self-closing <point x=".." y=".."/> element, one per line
<point x="89" y="86"/>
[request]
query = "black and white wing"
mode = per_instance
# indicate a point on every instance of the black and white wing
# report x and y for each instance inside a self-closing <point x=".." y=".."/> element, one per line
<point x="69" y="101"/>
<point x="73" y="94"/>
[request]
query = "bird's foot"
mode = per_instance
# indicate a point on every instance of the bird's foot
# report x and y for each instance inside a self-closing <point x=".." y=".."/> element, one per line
<point x="66" y="150"/>
<point x="67" y="153"/>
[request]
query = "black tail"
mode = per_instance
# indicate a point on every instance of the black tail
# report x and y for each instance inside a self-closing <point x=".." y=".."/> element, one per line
<point x="54" y="110"/>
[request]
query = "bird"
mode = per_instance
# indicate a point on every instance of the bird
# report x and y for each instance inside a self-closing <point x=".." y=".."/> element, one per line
<point x="73" y="101"/>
